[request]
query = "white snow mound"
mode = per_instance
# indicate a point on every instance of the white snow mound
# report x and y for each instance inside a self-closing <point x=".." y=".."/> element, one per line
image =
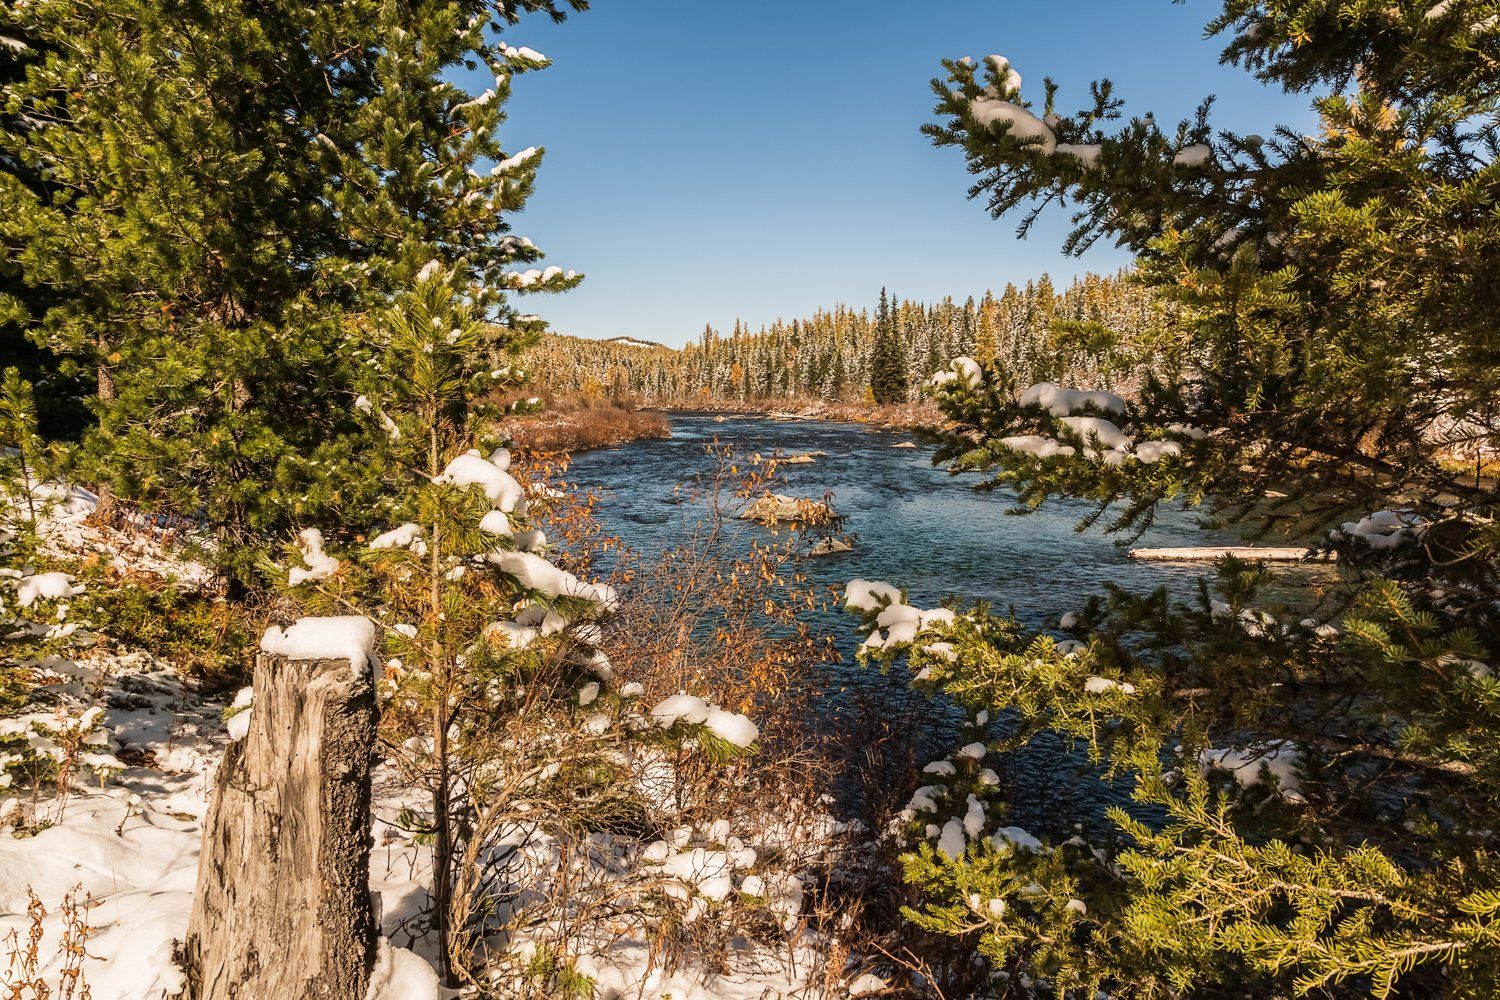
<point x="343" y="637"/>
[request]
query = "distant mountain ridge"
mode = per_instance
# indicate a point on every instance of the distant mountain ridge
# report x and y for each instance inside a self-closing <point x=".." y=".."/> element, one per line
<point x="633" y="342"/>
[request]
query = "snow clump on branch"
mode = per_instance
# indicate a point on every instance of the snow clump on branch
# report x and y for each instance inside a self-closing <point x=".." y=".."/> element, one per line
<point x="1061" y="402"/>
<point x="731" y="727"/>
<point x="1386" y="529"/>
<point x="320" y="565"/>
<point x="536" y="573"/>
<point x="883" y="607"/>
<point x="965" y="371"/>
<point x="1022" y="123"/>
<point x="472" y="469"/>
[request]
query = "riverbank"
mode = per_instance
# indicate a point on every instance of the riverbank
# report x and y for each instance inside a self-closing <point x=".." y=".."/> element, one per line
<point x="572" y="424"/>
<point x="895" y="416"/>
<point x="575" y="425"/>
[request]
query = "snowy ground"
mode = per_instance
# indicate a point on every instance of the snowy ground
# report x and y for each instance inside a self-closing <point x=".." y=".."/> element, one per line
<point x="130" y="846"/>
<point x="124" y="839"/>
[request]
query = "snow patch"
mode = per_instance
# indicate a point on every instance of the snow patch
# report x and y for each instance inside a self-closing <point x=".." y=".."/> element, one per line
<point x="1087" y="152"/>
<point x="1152" y="452"/>
<point x="1104" y="685"/>
<point x="407" y="536"/>
<point x="472" y="469"/>
<point x="238" y="725"/>
<point x="1282" y="761"/>
<point x="731" y="727"/>
<point x="680" y="708"/>
<point x="1022" y="124"/>
<point x="867" y="595"/>
<point x="1089" y="427"/>
<point x="401" y="974"/>
<point x="1060" y="402"/>
<point x="1197" y="155"/>
<point x="46" y="587"/>
<point x="1386" y="529"/>
<point x="536" y="573"/>
<point x="964" y="371"/>
<point x="1038" y="445"/>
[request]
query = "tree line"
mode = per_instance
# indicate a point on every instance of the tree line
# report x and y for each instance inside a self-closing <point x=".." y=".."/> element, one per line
<point x="1105" y="328"/>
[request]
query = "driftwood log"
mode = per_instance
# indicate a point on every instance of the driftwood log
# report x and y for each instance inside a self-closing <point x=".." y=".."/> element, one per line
<point x="282" y="909"/>
<point x="1210" y="553"/>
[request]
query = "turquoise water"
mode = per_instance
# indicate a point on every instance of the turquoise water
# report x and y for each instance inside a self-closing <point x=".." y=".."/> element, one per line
<point x="919" y="528"/>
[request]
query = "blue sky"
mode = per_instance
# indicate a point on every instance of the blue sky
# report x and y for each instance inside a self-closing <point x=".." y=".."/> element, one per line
<point x="711" y="160"/>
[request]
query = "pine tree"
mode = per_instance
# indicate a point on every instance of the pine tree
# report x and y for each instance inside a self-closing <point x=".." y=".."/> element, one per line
<point x="1314" y="787"/>
<point x="219" y="224"/>
<point x="455" y="567"/>
<point x="21" y="449"/>
<point x="57" y="389"/>
<point x="887" y="363"/>
<point x="986" y="345"/>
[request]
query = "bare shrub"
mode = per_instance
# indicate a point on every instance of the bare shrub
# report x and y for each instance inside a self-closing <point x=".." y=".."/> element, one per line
<point x="25" y="976"/>
<point x="578" y="819"/>
<point x="722" y="615"/>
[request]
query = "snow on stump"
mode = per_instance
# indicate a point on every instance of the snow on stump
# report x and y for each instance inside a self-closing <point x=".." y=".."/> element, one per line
<point x="282" y="909"/>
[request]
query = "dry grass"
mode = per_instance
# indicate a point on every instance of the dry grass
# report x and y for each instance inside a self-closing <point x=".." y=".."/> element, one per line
<point x="24" y="975"/>
<point x="573" y="424"/>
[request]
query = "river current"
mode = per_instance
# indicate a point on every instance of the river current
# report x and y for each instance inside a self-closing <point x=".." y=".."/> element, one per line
<point x="917" y="527"/>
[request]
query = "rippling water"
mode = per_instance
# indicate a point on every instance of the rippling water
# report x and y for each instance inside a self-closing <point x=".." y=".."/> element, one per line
<point x="918" y="528"/>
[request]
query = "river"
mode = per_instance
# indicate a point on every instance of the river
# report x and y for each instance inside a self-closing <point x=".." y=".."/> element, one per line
<point x="917" y="527"/>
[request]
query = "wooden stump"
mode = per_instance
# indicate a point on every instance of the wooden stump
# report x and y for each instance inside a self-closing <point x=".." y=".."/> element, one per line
<point x="282" y="909"/>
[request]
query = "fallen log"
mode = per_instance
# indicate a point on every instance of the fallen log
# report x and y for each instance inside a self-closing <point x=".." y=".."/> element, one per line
<point x="1209" y="553"/>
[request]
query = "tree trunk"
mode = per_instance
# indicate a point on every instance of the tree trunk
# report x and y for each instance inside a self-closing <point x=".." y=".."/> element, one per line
<point x="282" y="909"/>
<point x="107" y="510"/>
